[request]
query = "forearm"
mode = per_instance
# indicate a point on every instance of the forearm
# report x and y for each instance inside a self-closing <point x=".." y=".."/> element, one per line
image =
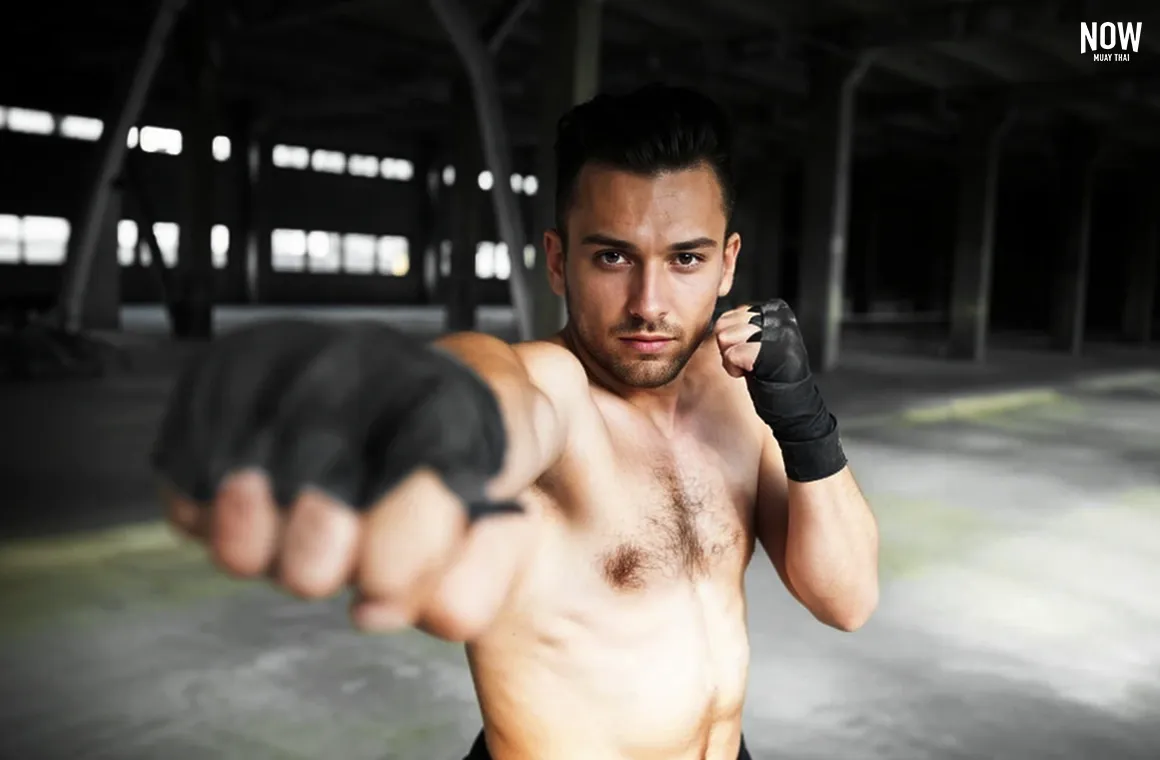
<point x="831" y="553"/>
<point x="530" y="420"/>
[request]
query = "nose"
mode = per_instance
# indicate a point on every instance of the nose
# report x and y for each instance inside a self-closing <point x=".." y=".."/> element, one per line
<point x="650" y="298"/>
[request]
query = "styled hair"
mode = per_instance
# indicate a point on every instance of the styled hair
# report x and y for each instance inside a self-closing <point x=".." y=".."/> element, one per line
<point x="655" y="129"/>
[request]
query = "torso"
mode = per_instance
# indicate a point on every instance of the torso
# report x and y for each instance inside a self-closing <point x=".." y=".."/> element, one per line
<point x="626" y="637"/>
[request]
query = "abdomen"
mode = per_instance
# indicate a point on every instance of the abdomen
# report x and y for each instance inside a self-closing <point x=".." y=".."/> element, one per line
<point x="656" y="674"/>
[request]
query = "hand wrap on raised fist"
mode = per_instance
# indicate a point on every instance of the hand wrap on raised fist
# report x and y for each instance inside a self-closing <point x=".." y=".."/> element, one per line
<point x="348" y="409"/>
<point x="787" y="398"/>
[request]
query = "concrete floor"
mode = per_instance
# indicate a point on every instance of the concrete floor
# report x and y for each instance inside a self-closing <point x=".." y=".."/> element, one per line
<point x="1020" y="615"/>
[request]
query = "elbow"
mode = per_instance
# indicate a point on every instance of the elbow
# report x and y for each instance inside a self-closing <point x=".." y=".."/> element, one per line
<point x="852" y="612"/>
<point x="855" y="612"/>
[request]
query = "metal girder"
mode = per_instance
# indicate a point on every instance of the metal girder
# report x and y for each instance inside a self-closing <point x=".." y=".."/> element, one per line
<point x="497" y="30"/>
<point x="923" y="67"/>
<point x="998" y="59"/>
<point x="78" y="265"/>
<point x="664" y="15"/>
<point x="496" y="151"/>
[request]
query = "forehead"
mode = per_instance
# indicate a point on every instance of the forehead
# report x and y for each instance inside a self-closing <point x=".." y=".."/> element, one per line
<point x="615" y="199"/>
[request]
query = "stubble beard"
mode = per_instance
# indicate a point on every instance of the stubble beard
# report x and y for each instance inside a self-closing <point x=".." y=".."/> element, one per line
<point x="645" y="372"/>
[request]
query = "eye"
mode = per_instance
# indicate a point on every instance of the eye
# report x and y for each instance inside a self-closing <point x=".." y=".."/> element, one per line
<point x="688" y="259"/>
<point x="609" y="258"/>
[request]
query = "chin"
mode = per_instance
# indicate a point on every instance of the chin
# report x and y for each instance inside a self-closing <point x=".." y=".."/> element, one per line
<point x="653" y="372"/>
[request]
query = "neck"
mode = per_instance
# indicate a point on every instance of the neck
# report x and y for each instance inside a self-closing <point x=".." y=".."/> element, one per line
<point x="660" y="404"/>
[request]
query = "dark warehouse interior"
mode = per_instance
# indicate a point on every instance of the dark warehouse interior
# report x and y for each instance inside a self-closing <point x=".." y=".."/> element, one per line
<point x="959" y="199"/>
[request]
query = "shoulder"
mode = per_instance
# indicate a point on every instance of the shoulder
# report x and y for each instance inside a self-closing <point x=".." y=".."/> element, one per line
<point x="553" y="368"/>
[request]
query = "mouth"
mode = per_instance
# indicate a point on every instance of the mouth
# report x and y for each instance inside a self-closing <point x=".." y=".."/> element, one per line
<point x="646" y="344"/>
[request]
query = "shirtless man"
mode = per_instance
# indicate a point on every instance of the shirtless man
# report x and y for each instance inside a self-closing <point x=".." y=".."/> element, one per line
<point x="581" y="510"/>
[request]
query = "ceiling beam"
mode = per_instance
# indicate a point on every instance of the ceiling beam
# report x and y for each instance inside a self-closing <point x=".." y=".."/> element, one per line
<point x="497" y="30"/>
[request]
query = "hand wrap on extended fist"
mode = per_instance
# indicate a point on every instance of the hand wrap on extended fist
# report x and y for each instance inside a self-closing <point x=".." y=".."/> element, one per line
<point x="782" y="387"/>
<point x="349" y="409"/>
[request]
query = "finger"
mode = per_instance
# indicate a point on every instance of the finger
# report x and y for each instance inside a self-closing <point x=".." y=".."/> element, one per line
<point x="472" y="590"/>
<point x="408" y="537"/>
<point x="244" y="524"/>
<point x="186" y="516"/>
<point x="740" y="358"/>
<point x="733" y="317"/>
<point x="319" y="547"/>
<point x="738" y="333"/>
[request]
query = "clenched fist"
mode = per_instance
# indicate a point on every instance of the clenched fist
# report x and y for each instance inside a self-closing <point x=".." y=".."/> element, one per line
<point x="763" y="344"/>
<point x="327" y="456"/>
<point x="763" y="340"/>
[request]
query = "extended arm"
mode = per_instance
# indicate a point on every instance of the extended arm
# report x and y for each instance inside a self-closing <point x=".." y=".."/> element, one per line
<point x="539" y="386"/>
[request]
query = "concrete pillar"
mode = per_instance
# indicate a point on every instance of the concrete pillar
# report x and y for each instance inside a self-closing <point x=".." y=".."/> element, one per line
<point x="979" y="153"/>
<point x="102" y="310"/>
<point x="1143" y="269"/>
<point x="421" y="238"/>
<point x="259" y="164"/>
<point x="112" y="147"/>
<point x="238" y="171"/>
<point x="570" y="66"/>
<point x="466" y="203"/>
<point x="825" y="206"/>
<point x="1078" y="148"/>
<point x="195" y="274"/>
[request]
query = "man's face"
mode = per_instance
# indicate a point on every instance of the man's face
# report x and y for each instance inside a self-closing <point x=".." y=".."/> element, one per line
<point x="646" y="260"/>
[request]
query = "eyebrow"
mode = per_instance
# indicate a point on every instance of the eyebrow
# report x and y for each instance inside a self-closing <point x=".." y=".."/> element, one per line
<point x="611" y="242"/>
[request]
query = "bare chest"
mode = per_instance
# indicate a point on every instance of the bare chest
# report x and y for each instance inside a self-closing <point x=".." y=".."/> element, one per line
<point x="671" y="513"/>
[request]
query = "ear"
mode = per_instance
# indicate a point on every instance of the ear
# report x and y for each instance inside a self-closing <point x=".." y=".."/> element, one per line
<point x="732" y="248"/>
<point x="554" y="249"/>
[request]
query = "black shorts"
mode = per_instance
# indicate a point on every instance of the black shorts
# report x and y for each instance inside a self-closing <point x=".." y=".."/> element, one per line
<point x="479" y="750"/>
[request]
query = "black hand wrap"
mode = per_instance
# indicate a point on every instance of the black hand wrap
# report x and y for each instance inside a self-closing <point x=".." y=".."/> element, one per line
<point x="787" y="398"/>
<point x="349" y="409"/>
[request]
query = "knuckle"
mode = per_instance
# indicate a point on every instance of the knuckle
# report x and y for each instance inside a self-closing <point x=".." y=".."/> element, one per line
<point x="307" y="582"/>
<point x="456" y="617"/>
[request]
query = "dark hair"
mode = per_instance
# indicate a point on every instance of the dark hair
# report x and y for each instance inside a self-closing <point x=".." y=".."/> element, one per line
<point x="654" y="129"/>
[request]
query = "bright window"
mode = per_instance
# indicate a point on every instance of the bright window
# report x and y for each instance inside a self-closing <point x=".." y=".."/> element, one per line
<point x="168" y="236"/>
<point x="323" y="251"/>
<point x="288" y="250"/>
<point x="31" y="121"/>
<point x="328" y="161"/>
<point x="358" y="253"/>
<point x="394" y="255"/>
<point x="219" y="243"/>
<point x="81" y="128"/>
<point x="363" y="166"/>
<point x="127" y="242"/>
<point x="291" y="157"/>
<point x="45" y="239"/>
<point x="160" y="140"/>
<point x="221" y="148"/>
<point x="399" y="169"/>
